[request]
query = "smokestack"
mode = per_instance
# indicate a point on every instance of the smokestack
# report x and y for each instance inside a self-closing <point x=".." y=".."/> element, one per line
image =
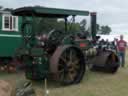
<point x="93" y="25"/>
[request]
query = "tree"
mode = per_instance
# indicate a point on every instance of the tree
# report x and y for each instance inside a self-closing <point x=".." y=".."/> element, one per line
<point x="5" y="9"/>
<point x="97" y="28"/>
<point x="1" y="7"/>
<point x="45" y="25"/>
<point x="83" y="24"/>
<point x="8" y="9"/>
<point x="105" y="29"/>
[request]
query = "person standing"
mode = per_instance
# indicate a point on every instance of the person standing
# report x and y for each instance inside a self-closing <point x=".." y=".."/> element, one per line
<point x="121" y="47"/>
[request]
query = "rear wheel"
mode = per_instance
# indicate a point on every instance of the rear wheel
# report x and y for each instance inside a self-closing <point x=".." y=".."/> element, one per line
<point x="70" y="65"/>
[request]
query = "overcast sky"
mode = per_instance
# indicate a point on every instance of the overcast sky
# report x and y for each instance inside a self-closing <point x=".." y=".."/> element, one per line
<point x="110" y="12"/>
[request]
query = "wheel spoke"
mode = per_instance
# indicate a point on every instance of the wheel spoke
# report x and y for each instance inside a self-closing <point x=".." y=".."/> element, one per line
<point x="76" y="66"/>
<point x="71" y="75"/>
<point x="76" y="62"/>
<point x="71" y="55"/>
<point x="61" y="71"/>
<point x="113" y="57"/>
<point x="71" y="69"/>
<point x="63" y="59"/>
<point x="61" y="74"/>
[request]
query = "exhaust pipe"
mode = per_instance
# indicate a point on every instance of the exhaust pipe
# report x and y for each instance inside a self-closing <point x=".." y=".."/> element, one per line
<point x="93" y="25"/>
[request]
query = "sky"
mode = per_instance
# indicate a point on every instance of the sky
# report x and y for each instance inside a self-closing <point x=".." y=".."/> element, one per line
<point x="109" y="12"/>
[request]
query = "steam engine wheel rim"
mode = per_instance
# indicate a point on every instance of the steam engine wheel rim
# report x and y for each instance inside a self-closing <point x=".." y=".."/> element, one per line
<point x="68" y="65"/>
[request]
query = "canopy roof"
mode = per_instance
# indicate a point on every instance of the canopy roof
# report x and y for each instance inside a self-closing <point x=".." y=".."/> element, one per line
<point x="47" y="12"/>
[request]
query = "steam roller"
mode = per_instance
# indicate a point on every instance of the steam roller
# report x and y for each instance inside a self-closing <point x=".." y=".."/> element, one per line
<point x="62" y="55"/>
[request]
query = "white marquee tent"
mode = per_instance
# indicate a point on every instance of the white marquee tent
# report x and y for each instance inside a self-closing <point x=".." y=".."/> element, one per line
<point x="111" y="37"/>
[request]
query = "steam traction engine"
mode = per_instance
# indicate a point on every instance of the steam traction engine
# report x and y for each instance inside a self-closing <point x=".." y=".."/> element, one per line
<point x="58" y="53"/>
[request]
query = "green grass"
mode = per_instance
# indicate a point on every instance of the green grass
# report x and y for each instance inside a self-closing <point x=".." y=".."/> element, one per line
<point x="93" y="84"/>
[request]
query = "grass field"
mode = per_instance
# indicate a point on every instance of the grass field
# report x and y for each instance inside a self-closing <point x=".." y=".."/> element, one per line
<point x="93" y="84"/>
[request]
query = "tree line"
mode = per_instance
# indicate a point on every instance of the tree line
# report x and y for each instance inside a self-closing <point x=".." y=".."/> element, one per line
<point x="47" y="24"/>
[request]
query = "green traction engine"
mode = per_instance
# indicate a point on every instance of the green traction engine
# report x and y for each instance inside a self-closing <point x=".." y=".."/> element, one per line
<point x="60" y="54"/>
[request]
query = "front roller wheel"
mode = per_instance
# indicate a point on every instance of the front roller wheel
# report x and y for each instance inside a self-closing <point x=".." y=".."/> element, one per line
<point x="112" y="63"/>
<point x="68" y="65"/>
<point x="107" y="61"/>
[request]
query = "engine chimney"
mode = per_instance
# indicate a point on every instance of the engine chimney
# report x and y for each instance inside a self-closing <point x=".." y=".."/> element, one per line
<point x="93" y="25"/>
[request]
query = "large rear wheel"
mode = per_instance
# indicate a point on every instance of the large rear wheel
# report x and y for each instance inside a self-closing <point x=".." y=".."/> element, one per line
<point x="68" y="64"/>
